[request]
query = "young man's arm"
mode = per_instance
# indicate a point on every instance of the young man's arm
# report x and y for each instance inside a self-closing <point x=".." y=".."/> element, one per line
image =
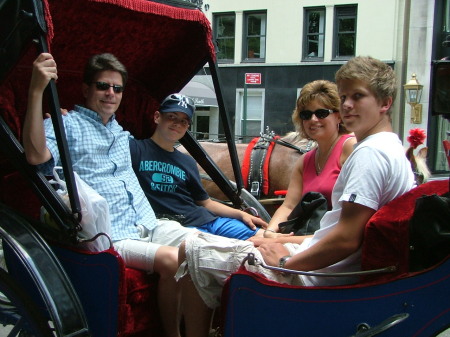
<point x="229" y="212"/>
<point x="34" y="142"/>
<point x="345" y="239"/>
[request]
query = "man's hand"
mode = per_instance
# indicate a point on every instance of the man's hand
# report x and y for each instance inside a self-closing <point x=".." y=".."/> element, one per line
<point x="44" y="70"/>
<point x="272" y="253"/>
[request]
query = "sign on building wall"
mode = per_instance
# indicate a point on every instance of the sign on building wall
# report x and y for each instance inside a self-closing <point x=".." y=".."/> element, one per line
<point x="252" y="78"/>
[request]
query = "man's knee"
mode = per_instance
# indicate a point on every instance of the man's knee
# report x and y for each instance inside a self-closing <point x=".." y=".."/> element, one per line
<point x="166" y="261"/>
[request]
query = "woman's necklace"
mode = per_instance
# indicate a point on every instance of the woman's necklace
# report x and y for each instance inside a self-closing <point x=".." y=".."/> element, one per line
<point x="318" y="168"/>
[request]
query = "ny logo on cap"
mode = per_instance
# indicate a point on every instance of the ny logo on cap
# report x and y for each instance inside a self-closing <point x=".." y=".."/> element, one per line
<point x="183" y="101"/>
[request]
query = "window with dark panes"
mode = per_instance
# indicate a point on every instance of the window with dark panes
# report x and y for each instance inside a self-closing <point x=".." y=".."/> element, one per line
<point x="224" y="32"/>
<point x="314" y="36"/>
<point x="255" y="41"/>
<point x="345" y="31"/>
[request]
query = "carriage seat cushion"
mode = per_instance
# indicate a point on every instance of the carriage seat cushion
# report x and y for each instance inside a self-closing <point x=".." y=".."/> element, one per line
<point x="386" y="237"/>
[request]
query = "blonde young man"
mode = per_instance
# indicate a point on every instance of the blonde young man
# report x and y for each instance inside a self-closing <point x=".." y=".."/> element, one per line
<point x="375" y="173"/>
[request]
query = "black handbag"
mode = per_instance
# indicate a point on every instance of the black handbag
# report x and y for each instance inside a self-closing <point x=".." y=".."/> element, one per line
<point x="305" y="217"/>
<point x="429" y="231"/>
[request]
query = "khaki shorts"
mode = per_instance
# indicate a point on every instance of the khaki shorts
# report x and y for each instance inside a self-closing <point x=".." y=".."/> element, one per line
<point x="211" y="259"/>
<point x="140" y="254"/>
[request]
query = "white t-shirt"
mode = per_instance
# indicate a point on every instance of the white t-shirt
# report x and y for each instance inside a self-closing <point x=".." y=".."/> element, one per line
<point x="375" y="173"/>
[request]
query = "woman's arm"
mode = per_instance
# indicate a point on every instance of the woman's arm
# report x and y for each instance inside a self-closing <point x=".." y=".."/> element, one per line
<point x="293" y="197"/>
<point x="347" y="149"/>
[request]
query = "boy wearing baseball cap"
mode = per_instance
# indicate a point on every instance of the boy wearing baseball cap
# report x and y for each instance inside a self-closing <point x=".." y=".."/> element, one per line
<point x="171" y="180"/>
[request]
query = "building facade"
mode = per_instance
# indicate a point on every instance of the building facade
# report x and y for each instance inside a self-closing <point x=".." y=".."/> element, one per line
<point x="268" y="50"/>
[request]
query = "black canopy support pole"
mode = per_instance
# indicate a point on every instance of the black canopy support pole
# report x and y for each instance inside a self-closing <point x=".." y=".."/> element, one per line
<point x="226" y="127"/>
<point x="214" y="172"/>
<point x="60" y="134"/>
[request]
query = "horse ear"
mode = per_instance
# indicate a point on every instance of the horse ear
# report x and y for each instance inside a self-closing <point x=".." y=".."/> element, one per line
<point x="423" y="152"/>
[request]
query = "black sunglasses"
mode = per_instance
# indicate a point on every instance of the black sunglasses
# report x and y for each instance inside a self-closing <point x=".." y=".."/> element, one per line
<point x="320" y="113"/>
<point x="105" y="86"/>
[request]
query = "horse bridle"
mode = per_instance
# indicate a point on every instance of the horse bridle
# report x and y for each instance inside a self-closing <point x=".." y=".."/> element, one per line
<point x="266" y="137"/>
<point x="282" y="142"/>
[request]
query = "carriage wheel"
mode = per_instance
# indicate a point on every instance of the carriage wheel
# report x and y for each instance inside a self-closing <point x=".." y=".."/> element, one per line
<point x="18" y="312"/>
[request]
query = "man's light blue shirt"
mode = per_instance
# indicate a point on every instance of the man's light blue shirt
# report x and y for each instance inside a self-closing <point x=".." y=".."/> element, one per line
<point x="101" y="156"/>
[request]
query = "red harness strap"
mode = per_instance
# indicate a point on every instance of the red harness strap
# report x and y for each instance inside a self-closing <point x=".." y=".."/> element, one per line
<point x="255" y="167"/>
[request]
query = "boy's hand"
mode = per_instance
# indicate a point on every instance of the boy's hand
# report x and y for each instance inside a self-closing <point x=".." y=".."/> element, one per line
<point x="63" y="112"/>
<point x="253" y="221"/>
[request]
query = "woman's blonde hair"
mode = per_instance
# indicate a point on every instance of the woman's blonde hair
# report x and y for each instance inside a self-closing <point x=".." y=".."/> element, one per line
<point x="322" y="91"/>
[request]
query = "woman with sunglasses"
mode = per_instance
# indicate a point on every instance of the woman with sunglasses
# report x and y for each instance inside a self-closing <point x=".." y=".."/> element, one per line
<point x="315" y="117"/>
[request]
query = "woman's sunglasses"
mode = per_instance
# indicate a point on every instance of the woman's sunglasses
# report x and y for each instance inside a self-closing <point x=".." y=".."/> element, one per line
<point x="103" y="86"/>
<point x="320" y="113"/>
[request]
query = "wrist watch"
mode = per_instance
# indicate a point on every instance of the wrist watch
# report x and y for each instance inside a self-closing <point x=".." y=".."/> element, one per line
<point x="283" y="261"/>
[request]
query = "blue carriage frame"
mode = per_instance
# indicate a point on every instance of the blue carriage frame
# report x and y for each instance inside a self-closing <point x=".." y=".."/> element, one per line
<point x="54" y="276"/>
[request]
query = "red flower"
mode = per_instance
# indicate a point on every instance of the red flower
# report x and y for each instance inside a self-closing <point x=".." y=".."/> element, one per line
<point x="416" y="137"/>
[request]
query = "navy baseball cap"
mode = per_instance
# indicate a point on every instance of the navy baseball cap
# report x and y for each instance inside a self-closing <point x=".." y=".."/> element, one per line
<point x="178" y="103"/>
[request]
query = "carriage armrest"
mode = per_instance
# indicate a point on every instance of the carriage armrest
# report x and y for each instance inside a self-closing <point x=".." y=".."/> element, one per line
<point x="386" y="239"/>
<point x="252" y="260"/>
<point x="386" y="235"/>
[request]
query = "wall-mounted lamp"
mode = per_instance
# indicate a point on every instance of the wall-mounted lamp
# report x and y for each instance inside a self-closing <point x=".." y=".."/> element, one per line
<point x="413" y="92"/>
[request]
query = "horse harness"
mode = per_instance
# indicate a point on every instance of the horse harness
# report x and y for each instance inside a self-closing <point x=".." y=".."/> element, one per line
<point x="257" y="178"/>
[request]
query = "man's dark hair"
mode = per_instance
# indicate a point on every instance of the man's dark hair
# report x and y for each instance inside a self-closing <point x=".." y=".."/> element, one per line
<point x="102" y="62"/>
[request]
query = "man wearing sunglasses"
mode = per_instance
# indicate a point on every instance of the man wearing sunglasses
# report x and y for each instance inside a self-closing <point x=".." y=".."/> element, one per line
<point x="171" y="181"/>
<point x="100" y="153"/>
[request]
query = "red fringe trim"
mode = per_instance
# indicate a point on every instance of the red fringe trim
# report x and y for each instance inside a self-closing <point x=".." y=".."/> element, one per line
<point x="146" y="6"/>
<point x="49" y="22"/>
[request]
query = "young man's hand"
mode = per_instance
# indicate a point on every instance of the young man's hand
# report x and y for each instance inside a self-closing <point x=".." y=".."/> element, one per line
<point x="272" y="253"/>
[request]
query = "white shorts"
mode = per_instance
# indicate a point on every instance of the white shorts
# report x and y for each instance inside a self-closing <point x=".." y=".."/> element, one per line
<point x="140" y="254"/>
<point x="211" y="259"/>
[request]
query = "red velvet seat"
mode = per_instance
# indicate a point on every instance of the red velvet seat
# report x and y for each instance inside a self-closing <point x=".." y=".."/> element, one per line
<point x="386" y="243"/>
<point x="386" y="238"/>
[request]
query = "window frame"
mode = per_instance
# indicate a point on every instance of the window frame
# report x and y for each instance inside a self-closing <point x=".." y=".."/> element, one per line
<point x="343" y="12"/>
<point x="246" y="37"/>
<point x="306" y="15"/>
<point x="217" y="39"/>
<point x="251" y="92"/>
